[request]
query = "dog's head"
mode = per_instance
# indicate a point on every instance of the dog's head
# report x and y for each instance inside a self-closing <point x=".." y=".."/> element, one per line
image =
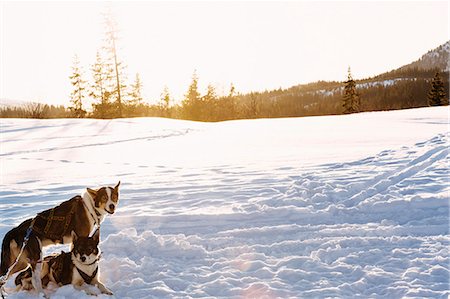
<point x="105" y="199"/>
<point x="85" y="249"/>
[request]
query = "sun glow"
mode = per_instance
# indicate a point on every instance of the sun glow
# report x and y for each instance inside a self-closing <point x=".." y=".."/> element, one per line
<point x="255" y="45"/>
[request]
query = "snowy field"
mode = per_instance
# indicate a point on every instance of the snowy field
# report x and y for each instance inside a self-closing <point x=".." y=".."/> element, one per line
<point x="350" y="206"/>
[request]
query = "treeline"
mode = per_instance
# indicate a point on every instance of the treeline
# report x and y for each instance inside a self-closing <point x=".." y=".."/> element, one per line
<point x="394" y="90"/>
<point x="35" y="110"/>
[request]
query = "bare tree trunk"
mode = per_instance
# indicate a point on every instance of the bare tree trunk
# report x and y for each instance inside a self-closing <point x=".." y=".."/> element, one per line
<point x="119" y="101"/>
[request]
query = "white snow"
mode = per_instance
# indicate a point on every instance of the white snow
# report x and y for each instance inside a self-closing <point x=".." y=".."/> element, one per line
<point x="353" y="206"/>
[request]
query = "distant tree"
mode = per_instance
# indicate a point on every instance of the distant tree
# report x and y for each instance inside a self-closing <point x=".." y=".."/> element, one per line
<point x="36" y="110"/>
<point x="191" y="103"/>
<point x="102" y="89"/>
<point x="209" y="102"/>
<point x="436" y="95"/>
<point x="165" y="101"/>
<point x="136" y="91"/>
<point x="253" y="106"/>
<point x="351" y="100"/>
<point x="229" y="104"/>
<point x="78" y="92"/>
<point x="99" y="74"/>
<point x="116" y="66"/>
<point x="135" y="106"/>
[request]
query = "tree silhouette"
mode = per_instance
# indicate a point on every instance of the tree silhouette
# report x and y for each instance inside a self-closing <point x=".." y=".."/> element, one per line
<point x="436" y="95"/>
<point x="78" y="92"/>
<point x="351" y="100"/>
<point x="191" y="105"/>
<point x="164" y="102"/>
<point x="136" y="91"/>
<point x="209" y="101"/>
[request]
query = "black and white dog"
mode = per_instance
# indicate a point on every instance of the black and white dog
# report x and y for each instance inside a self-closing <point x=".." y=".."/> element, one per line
<point x="78" y="267"/>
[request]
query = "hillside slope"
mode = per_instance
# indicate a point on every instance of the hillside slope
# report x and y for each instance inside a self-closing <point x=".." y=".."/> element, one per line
<point x="434" y="59"/>
<point x="405" y="87"/>
<point x="335" y="206"/>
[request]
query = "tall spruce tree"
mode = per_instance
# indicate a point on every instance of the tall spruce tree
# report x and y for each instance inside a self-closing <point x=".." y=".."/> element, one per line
<point x="351" y="99"/>
<point x="78" y="92"/>
<point x="436" y="95"/>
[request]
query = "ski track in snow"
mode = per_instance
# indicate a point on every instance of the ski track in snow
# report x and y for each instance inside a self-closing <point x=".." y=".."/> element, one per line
<point x="375" y="227"/>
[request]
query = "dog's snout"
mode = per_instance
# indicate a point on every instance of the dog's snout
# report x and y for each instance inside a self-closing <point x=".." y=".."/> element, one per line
<point x="112" y="207"/>
<point x="83" y="258"/>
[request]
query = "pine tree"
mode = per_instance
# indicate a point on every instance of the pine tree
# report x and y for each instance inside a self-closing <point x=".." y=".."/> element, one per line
<point x="191" y="104"/>
<point x="98" y="88"/>
<point x="351" y="100"/>
<point x="436" y="95"/>
<point x="136" y="91"/>
<point x="101" y="90"/>
<point x="209" y="102"/>
<point x="229" y="107"/>
<point x="78" y="93"/>
<point x="165" y="101"/>
<point x="253" y="106"/>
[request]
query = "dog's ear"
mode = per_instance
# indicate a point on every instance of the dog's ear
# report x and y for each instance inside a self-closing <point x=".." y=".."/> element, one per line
<point x="117" y="186"/>
<point x="92" y="192"/>
<point x="74" y="236"/>
<point x="96" y="235"/>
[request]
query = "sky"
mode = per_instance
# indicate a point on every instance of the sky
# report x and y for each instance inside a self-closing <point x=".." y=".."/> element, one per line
<point x="253" y="45"/>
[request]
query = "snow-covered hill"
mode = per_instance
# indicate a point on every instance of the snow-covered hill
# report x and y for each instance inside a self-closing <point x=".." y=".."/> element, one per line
<point x="434" y="59"/>
<point x="353" y="206"/>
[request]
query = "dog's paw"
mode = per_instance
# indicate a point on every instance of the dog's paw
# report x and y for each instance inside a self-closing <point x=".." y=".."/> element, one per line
<point x="107" y="292"/>
<point x="90" y="293"/>
<point x="103" y="289"/>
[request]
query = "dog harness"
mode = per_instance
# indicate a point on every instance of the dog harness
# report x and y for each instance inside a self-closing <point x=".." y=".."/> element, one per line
<point x="87" y="278"/>
<point x="47" y="221"/>
<point x="61" y="266"/>
<point x="96" y="220"/>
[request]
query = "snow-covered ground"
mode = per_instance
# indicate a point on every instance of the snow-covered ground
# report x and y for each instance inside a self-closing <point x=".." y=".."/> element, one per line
<point x="352" y="206"/>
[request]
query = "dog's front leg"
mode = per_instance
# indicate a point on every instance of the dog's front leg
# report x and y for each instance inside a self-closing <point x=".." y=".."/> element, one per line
<point x="103" y="289"/>
<point x="36" y="278"/>
<point x="35" y="260"/>
<point x="101" y="286"/>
